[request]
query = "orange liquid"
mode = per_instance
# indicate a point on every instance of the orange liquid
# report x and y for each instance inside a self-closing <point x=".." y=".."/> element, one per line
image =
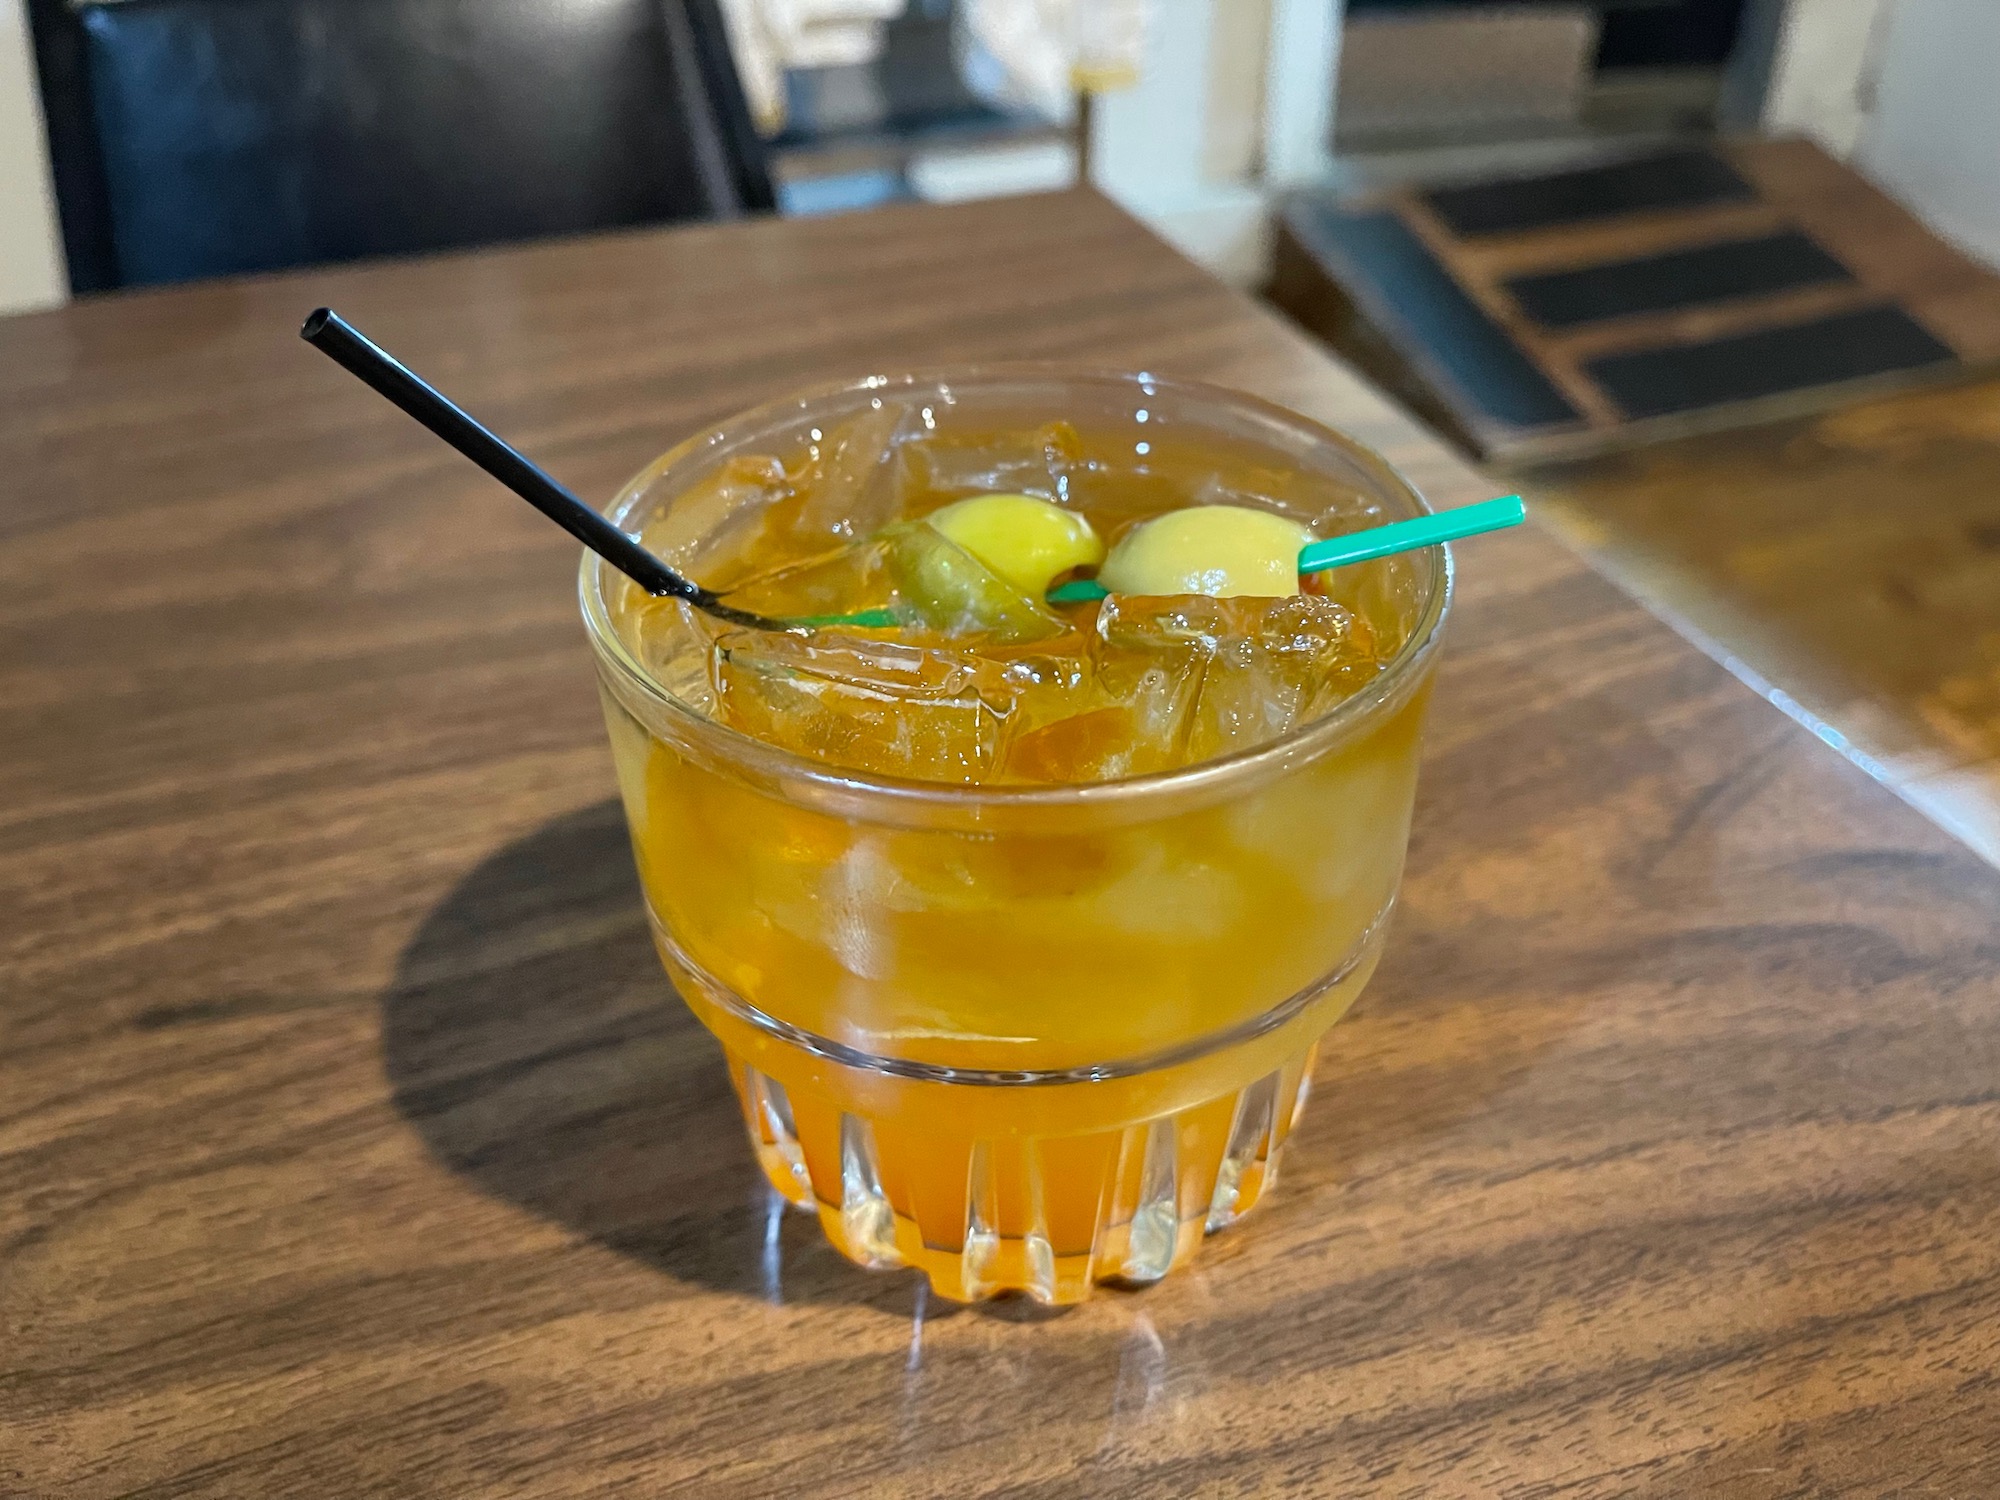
<point x="1174" y="960"/>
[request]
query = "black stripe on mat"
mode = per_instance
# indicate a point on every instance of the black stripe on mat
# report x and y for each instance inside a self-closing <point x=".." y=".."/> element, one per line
<point x="1688" y="377"/>
<point x="1678" y="278"/>
<point x="1673" y="179"/>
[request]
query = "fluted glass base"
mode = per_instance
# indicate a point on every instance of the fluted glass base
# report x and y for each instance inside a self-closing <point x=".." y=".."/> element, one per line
<point x="1044" y="1183"/>
<point x="1046" y="1215"/>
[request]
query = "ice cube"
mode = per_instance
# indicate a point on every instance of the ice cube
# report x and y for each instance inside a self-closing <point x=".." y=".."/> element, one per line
<point x="1044" y="685"/>
<point x="673" y="641"/>
<point x="873" y="705"/>
<point x="1327" y="505"/>
<point x="1043" y="462"/>
<point x="1259" y="667"/>
<point x="1117" y="714"/>
<point x="1107" y="743"/>
<point x="852" y="482"/>
<point x="709" y="530"/>
<point x="853" y="579"/>
<point x="1388" y="592"/>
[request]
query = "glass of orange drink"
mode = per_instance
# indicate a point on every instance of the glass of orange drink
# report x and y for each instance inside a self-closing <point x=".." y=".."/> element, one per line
<point x="1019" y="923"/>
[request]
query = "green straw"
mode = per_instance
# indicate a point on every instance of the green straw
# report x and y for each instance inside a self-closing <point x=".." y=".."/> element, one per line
<point x="872" y="619"/>
<point x="1335" y="552"/>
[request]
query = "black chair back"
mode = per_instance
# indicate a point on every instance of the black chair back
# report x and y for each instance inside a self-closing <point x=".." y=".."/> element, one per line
<point x="195" y="138"/>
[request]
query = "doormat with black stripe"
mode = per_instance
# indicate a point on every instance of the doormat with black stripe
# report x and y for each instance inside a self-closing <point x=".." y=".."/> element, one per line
<point x="1574" y="311"/>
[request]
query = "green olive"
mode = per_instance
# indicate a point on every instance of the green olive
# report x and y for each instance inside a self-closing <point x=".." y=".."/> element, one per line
<point x="1028" y="542"/>
<point x="1220" y="550"/>
<point x="943" y="587"/>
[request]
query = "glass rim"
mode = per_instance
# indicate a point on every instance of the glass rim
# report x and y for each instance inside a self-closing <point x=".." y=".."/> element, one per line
<point x="734" y="747"/>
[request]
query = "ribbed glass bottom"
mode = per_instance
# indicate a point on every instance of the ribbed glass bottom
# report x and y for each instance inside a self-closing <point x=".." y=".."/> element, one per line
<point x="1047" y="1215"/>
<point x="1043" y="1182"/>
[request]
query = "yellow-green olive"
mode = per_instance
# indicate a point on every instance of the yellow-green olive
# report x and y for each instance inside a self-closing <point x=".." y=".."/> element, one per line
<point x="1219" y="550"/>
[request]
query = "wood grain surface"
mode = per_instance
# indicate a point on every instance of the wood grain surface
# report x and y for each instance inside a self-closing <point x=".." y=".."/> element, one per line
<point x="1852" y="557"/>
<point x="351" y="1143"/>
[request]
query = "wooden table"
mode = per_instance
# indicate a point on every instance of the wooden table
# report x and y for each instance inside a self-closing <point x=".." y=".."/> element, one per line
<point x="1852" y="557"/>
<point x="350" y="1142"/>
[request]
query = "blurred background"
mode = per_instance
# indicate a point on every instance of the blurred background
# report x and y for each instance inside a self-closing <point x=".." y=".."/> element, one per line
<point x="1711" y="281"/>
<point x="1205" y="111"/>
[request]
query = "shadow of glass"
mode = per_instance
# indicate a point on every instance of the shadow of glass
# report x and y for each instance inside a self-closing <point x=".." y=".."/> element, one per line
<point x="533" y="1040"/>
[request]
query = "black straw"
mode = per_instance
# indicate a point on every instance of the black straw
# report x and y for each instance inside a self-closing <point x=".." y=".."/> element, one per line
<point x="361" y="357"/>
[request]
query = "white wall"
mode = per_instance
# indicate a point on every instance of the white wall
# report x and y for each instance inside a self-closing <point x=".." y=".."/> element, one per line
<point x="1932" y="135"/>
<point x="1907" y="90"/>
<point x="31" y="271"/>
<point x="1150" y="150"/>
<point x="1177" y="150"/>
<point x="1821" y="75"/>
